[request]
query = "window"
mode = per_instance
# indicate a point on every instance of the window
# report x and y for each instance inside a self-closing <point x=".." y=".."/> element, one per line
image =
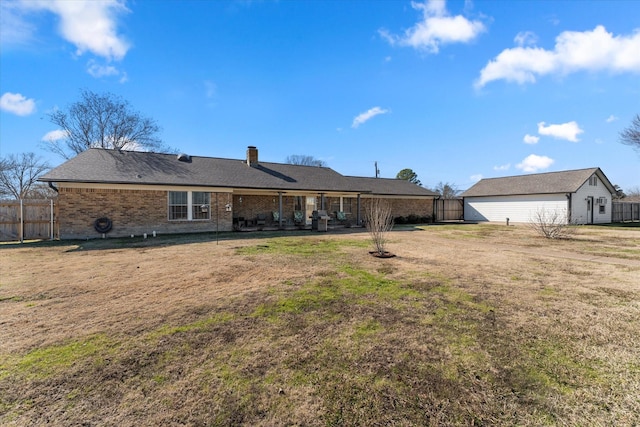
<point x="603" y="209"/>
<point x="201" y="205"/>
<point x="593" y="180"/>
<point x="189" y="205"/>
<point x="178" y="205"/>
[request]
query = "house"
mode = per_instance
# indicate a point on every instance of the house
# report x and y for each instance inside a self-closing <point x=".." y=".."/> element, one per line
<point x="582" y="196"/>
<point x="131" y="193"/>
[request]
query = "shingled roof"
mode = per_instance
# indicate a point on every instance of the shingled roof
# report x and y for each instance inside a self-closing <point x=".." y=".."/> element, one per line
<point x="539" y="183"/>
<point x="144" y="168"/>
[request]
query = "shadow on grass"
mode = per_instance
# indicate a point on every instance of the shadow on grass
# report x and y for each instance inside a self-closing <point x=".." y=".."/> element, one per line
<point x="166" y="239"/>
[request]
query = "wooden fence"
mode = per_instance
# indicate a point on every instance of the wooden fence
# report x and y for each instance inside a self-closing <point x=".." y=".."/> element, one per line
<point x="625" y="211"/>
<point x="27" y="220"/>
<point x="448" y="209"/>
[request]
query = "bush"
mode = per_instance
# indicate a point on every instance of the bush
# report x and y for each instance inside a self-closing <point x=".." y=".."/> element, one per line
<point x="400" y="220"/>
<point x="552" y="224"/>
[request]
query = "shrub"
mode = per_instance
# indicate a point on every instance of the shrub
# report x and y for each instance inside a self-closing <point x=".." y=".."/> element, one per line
<point x="552" y="224"/>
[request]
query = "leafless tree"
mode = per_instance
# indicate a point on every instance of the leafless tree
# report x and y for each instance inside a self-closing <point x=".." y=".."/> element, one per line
<point x="304" y="160"/>
<point x="631" y="135"/>
<point x="19" y="174"/>
<point x="379" y="221"/>
<point x="552" y="224"/>
<point x="105" y="121"/>
<point x="447" y="190"/>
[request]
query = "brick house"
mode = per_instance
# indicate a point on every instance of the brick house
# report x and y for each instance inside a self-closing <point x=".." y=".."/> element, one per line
<point x="142" y="192"/>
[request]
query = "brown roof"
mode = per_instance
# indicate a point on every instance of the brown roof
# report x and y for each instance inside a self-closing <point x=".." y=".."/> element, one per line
<point x="134" y="167"/>
<point x="539" y="183"/>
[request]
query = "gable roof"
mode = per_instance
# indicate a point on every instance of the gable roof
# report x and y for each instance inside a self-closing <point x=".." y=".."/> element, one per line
<point x="98" y="165"/>
<point x="539" y="183"/>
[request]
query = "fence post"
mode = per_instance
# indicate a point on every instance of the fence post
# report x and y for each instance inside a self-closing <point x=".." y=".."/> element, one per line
<point x="51" y="219"/>
<point x="21" y="221"/>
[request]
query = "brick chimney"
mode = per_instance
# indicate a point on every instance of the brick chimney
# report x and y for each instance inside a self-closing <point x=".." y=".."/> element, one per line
<point x="252" y="155"/>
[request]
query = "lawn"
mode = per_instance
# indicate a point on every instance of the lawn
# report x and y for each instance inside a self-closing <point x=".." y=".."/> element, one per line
<point x="467" y="325"/>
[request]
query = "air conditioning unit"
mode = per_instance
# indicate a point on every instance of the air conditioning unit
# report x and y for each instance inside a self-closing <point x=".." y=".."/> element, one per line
<point x="602" y="200"/>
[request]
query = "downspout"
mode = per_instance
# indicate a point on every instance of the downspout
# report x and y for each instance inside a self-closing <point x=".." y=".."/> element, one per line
<point x="358" y="220"/>
<point x="569" y="198"/>
<point x="53" y="187"/>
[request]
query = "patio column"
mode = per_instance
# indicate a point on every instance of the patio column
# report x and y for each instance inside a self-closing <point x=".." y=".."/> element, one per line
<point x="358" y="210"/>
<point x="322" y="201"/>
<point x="279" y="209"/>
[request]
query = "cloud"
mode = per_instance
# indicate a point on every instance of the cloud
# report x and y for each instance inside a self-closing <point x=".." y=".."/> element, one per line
<point x="17" y="104"/>
<point x="568" y="131"/>
<point x="611" y="119"/>
<point x="533" y="163"/>
<point x="363" y="117"/>
<point x="574" y="51"/>
<point x="54" y="135"/>
<point x="476" y="177"/>
<point x="91" y="26"/>
<point x="525" y="38"/>
<point x="436" y="28"/>
<point x="502" y="167"/>
<point x="531" y="139"/>
<point x="14" y="29"/>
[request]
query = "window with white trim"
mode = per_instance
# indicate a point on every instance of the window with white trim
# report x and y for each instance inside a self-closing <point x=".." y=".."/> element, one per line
<point x="189" y="205"/>
<point x="593" y="180"/>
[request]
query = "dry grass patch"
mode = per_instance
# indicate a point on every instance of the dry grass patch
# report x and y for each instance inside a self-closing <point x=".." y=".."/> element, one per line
<point x="472" y="325"/>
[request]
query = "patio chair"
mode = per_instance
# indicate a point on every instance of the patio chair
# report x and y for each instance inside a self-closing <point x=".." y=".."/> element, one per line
<point x="298" y="217"/>
<point x="341" y="216"/>
<point x="261" y="219"/>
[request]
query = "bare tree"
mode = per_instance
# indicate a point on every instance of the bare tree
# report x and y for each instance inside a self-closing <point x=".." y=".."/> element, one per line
<point x="105" y="121"/>
<point x="552" y="224"/>
<point x="304" y="160"/>
<point x="19" y="174"/>
<point x="379" y="221"/>
<point x="631" y="135"/>
<point x="447" y="190"/>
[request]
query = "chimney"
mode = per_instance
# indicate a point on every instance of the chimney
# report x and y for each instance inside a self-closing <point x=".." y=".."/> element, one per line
<point x="252" y="155"/>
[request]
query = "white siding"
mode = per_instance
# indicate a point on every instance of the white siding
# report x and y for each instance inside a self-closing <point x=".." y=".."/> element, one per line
<point x="516" y="208"/>
<point x="580" y="205"/>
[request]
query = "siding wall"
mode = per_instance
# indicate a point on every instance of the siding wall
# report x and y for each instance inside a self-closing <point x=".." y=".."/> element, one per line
<point x="579" y="204"/>
<point x="516" y="208"/>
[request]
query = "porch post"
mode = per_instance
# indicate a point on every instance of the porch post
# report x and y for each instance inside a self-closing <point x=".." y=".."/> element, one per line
<point x="358" y="222"/>
<point x="279" y="209"/>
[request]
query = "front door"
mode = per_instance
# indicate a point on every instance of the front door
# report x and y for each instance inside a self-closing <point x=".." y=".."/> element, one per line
<point x="310" y="206"/>
<point x="589" y="210"/>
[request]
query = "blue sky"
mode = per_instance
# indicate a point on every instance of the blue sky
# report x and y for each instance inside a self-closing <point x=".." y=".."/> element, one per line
<point x="454" y="90"/>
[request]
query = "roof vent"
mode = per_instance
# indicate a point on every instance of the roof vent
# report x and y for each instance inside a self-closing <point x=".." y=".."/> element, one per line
<point x="182" y="157"/>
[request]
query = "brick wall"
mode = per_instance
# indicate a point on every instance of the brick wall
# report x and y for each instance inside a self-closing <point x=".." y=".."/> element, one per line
<point x="131" y="212"/>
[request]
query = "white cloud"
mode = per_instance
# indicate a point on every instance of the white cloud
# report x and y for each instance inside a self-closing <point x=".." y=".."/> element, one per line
<point x="502" y="167"/>
<point x="568" y="131"/>
<point x="525" y="38"/>
<point x="476" y="177"/>
<point x="574" y="51"/>
<point x="91" y="26"/>
<point x="14" y="29"/>
<point x="363" y="117"/>
<point x="611" y="119"/>
<point x="437" y="28"/>
<point x="534" y="163"/>
<point x="54" y="135"/>
<point x="17" y="104"/>
<point x="531" y="139"/>
<point x="98" y="70"/>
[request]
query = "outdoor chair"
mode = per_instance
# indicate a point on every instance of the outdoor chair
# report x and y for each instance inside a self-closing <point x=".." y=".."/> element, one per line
<point x="261" y="219"/>
<point x="298" y="217"/>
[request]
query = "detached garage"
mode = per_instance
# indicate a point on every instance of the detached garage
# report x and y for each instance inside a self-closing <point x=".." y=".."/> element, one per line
<point x="582" y="196"/>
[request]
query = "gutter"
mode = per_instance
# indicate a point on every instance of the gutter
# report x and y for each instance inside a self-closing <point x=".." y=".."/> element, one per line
<point x="53" y="187"/>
